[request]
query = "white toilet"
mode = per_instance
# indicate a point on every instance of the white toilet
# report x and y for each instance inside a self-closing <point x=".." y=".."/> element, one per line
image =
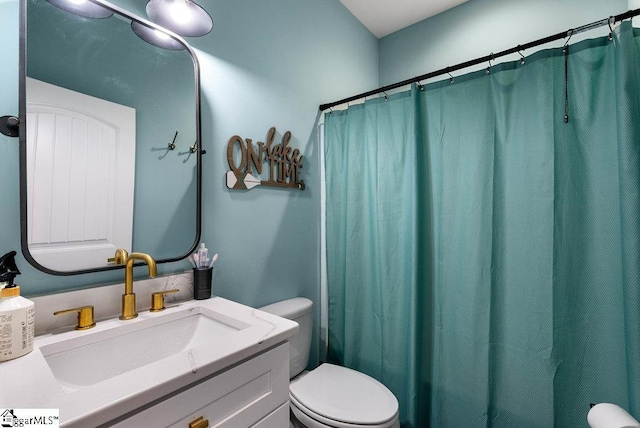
<point x="330" y="396"/>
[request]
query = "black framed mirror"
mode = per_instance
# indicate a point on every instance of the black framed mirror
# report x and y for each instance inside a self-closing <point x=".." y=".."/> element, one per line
<point x="109" y="138"/>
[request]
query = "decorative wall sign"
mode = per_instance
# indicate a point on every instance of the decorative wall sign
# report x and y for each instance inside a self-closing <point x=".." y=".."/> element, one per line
<point x="283" y="163"/>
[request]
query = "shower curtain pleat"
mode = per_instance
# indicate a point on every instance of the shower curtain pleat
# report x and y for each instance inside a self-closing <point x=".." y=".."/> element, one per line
<point x="483" y="256"/>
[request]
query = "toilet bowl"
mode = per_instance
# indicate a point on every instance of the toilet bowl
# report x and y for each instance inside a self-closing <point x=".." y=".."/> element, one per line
<point x="330" y="396"/>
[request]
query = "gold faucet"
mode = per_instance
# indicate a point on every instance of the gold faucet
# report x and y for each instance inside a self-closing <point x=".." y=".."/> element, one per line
<point x="129" y="297"/>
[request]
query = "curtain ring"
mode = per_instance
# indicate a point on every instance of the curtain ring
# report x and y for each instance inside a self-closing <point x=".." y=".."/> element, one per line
<point x="420" y="87"/>
<point x="610" y="22"/>
<point x="569" y="34"/>
<point x="521" y="58"/>
<point x="386" y="98"/>
<point x="451" y="79"/>
<point x="489" y="68"/>
<point x="330" y="111"/>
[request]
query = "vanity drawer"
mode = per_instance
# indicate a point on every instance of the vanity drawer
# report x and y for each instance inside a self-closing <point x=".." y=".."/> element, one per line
<point x="243" y="396"/>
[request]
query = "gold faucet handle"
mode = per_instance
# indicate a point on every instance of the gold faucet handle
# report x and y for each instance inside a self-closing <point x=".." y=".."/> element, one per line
<point x="120" y="257"/>
<point x="85" y="316"/>
<point x="157" y="300"/>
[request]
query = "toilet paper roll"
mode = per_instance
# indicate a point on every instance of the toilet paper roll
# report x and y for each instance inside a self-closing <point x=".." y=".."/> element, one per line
<point x="607" y="415"/>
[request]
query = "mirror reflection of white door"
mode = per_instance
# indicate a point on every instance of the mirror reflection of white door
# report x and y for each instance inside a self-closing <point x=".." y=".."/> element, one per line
<point x="80" y="177"/>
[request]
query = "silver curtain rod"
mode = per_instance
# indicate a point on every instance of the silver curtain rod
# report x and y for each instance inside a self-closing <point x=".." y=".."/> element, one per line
<point x="565" y="34"/>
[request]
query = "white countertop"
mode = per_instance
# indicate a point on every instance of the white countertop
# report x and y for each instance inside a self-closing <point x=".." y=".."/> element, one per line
<point x="28" y="382"/>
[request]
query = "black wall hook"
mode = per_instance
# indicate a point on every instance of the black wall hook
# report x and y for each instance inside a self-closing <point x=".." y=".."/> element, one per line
<point x="10" y="126"/>
<point x="172" y="145"/>
<point x="194" y="149"/>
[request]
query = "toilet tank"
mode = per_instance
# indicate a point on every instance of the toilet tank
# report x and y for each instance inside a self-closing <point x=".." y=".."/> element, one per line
<point x="298" y="309"/>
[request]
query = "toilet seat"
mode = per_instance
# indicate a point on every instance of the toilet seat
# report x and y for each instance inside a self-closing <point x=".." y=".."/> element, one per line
<point x="311" y="419"/>
<point x="343" y="398"/>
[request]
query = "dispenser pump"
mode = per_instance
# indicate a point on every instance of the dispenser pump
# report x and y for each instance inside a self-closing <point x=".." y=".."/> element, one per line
<point x="8" y="272"/>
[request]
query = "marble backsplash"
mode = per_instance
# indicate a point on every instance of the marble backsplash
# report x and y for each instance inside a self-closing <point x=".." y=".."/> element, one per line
<point x="107" y="300"/>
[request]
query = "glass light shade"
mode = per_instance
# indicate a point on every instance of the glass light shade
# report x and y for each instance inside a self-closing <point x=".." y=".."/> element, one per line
<point x="183" y="17"/>
<point x="84" y="8"/>
<point x="156" y="37"/>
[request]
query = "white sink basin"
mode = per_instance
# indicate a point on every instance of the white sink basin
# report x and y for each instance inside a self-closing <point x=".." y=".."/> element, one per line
<point x="84" y="361"/>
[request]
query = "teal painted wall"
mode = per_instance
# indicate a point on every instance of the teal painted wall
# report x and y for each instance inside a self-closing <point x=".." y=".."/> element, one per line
<point x="264" y="64"/>
<point x="479" y="27"/>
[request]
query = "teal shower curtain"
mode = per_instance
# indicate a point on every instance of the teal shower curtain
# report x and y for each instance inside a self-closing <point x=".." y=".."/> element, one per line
<point x="483" y="256"/>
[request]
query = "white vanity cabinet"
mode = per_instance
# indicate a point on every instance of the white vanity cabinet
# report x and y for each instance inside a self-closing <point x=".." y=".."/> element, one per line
<point x="254" y="393"/>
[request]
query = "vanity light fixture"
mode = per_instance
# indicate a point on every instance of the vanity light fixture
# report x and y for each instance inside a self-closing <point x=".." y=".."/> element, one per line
<point x="84" y="8"/>
<point x="156" y="37"/>
<point x="183" y="17"/>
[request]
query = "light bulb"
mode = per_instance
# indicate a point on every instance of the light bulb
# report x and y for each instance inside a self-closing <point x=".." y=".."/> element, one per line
<point x="183" y="17"/>
<point x="77" y="1"/>
<point x="180" y="11"/>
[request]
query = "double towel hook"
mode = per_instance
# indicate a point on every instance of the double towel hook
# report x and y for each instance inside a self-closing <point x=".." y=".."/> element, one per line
<point x="172" y="146"/>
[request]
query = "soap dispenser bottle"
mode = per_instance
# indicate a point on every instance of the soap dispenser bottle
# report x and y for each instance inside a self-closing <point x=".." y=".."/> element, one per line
<point x="17" y="314"/>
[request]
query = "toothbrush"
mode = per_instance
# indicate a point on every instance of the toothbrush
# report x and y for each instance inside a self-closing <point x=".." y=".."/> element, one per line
<point x="213" y="260"/>
<point x="193" y="263"/>
<point x="196" y="260"/>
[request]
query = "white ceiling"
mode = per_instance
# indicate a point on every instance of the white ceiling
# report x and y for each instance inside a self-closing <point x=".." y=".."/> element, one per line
<point x="383" y="17"/>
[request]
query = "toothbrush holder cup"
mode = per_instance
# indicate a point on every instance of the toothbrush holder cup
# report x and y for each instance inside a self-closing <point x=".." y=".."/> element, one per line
<point x="202" y="283"/>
